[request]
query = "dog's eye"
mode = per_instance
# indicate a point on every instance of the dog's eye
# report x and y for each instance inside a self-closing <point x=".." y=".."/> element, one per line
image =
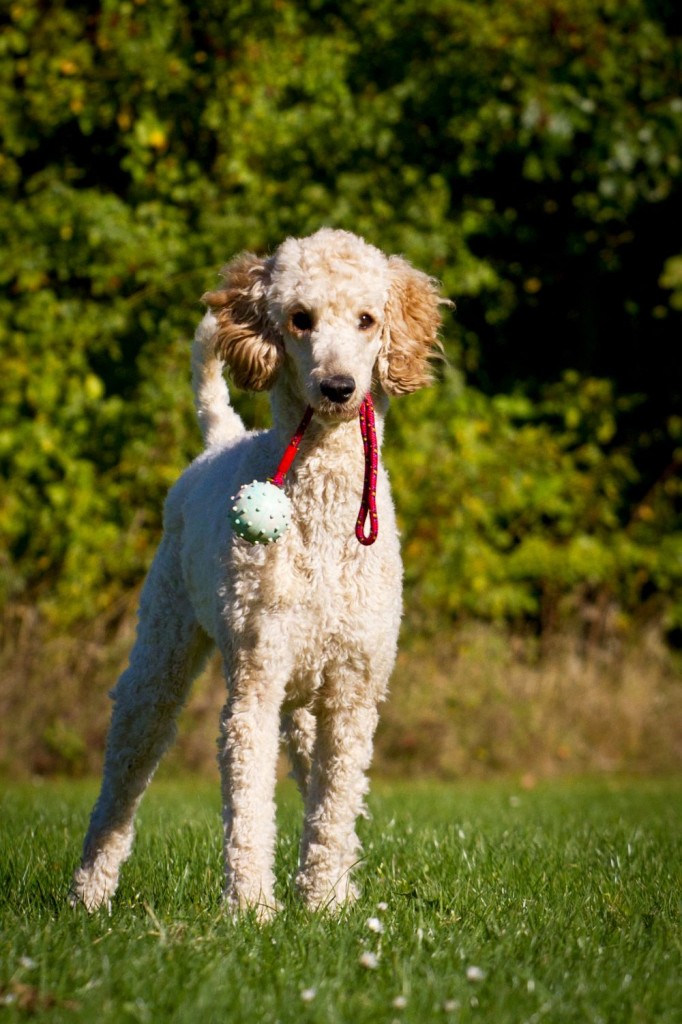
<point x="301" y="321"/>
<point x="365" y="321"/>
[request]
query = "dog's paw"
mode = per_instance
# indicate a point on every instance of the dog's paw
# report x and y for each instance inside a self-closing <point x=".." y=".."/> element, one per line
<point x="263" y="909"/>
<point x="323" y="894"/>
<point x="90" y="890"/>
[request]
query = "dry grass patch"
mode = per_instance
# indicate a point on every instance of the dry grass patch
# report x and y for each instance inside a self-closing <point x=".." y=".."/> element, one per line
<point x="475" y="701"/>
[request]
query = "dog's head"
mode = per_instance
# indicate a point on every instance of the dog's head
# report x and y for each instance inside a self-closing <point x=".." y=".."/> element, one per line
<point x="333" y="313"/>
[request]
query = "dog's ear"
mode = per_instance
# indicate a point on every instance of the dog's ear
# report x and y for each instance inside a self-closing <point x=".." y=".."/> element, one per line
<point x="410" y="330"/>
<point x="246" y="341"/>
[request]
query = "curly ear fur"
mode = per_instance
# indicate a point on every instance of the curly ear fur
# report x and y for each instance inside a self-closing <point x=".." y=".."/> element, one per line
<point x="411" y="329"/>
<point x="246" y="341"/>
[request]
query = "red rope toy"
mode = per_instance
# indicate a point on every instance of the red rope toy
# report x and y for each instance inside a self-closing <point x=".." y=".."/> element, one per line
<point x="369" y="490"/>
<point x="292" y="449"/>
<point x="261" y="512"/>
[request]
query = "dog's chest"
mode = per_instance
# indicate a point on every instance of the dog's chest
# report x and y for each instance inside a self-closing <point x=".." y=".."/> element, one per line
<point x="317" y="598"/>
<point x="320" y="577"/>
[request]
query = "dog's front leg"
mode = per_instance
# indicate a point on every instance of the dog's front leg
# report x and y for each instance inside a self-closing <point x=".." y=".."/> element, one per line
<point x="338" y="784"/>
<point x="248" y="763"/>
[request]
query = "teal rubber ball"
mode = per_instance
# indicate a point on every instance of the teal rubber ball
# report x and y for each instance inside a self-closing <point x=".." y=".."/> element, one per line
<point x="260" y="513"/>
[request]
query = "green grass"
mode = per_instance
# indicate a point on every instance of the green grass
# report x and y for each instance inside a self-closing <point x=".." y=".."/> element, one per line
<point x="566" y="897"/>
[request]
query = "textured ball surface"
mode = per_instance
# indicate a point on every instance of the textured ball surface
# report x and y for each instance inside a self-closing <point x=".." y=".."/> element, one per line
<point x="261" y="512"/>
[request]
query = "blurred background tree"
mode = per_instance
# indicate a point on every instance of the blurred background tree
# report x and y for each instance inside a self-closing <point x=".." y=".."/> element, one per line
<point x="526" y="153"/>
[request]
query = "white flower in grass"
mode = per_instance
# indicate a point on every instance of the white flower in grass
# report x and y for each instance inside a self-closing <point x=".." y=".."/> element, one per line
<point x="375" y="925"/>
<point x="475" y="974"/>
<point x="451" y="1005"/>
<point x="308" y="994"/>
<point x="369" y="960"/>
<point x="399" y="1003"/>
<point x="382" y="906"/>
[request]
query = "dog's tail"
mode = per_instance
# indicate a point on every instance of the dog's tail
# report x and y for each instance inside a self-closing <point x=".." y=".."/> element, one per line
<point x="218" y="421"/>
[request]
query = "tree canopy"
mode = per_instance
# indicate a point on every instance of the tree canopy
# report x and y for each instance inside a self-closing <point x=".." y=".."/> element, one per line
<point x="528" y="154"/>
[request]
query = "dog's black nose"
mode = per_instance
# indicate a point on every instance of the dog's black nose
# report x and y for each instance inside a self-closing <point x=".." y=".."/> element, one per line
<point x="338" y="388"/>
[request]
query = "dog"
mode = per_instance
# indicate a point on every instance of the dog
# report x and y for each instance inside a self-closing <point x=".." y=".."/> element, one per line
<point x="308" y="626"/>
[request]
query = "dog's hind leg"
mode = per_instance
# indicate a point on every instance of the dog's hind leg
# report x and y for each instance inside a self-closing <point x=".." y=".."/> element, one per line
<point x="338" y="784"/>
<point x="170" y="650"/>
<point x="298" y="730"/>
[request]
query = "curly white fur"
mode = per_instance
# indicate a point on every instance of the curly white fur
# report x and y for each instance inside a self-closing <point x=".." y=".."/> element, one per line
<point x="307" y="627"/>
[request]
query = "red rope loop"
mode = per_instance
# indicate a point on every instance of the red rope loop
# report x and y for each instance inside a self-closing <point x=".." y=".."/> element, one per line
<point x="368" y="507"/>
<point x="292" y="449"/>
<point x="369" y="491"/>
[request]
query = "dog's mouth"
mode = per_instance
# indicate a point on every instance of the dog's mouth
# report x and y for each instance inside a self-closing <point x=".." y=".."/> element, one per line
<point x="334" y="413"/>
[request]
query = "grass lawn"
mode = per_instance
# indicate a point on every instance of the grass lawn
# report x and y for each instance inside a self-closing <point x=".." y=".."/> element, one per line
<point x="481" y="903"/>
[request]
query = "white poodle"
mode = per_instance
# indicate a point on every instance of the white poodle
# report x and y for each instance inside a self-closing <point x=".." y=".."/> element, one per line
<point x="307" y="626"/>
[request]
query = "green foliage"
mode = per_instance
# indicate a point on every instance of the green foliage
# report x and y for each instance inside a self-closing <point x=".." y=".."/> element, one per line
<point x="527" y="154"/>
<point x="671" y="278"/>
<point x="510" y="506"/>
